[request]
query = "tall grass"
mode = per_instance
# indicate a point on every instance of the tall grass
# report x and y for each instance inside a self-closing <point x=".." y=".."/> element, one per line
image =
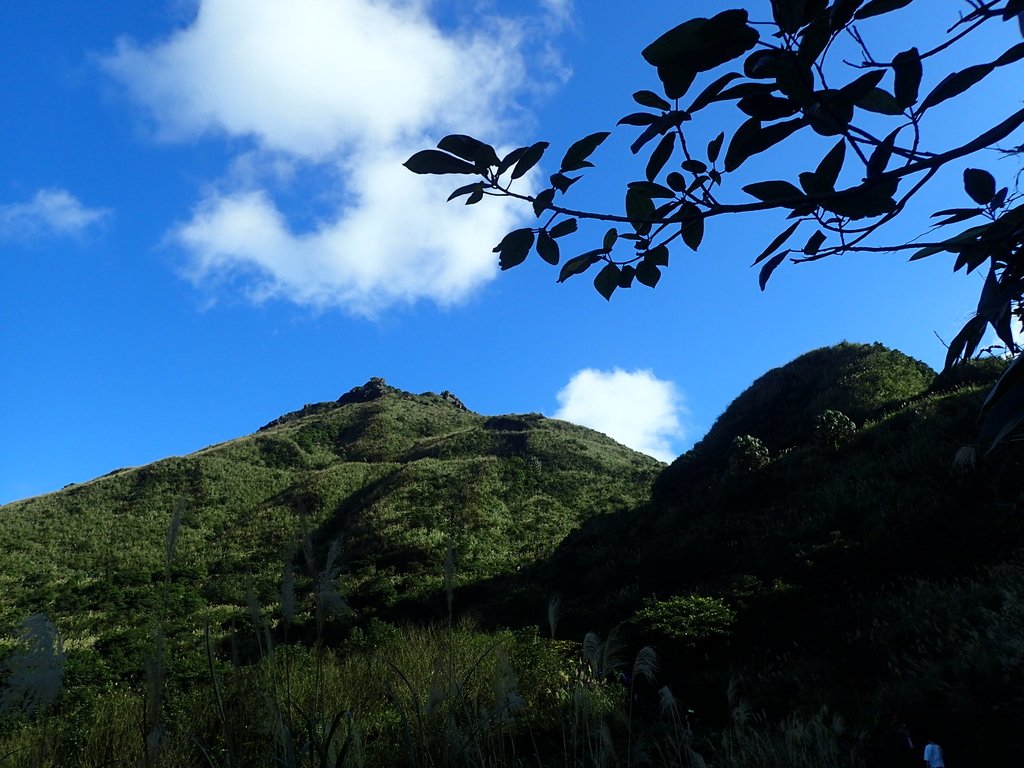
<point x="444" y="694"/>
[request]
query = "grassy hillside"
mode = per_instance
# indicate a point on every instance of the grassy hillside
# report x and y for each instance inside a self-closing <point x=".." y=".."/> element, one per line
<point x="395" y="478"/>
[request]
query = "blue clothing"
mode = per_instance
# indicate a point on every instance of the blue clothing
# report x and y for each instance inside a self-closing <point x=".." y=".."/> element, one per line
<point x="933" y="755"/>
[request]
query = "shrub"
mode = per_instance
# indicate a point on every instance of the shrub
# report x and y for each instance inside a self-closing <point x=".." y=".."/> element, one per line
<point x="833" y="428"/>
<point x="688" y="619"/>
<point x="748" y="454"/>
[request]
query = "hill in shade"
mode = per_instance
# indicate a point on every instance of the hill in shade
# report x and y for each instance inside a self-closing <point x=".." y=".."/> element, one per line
<point x="781" y="407"/>
<point x="871" y="575"/>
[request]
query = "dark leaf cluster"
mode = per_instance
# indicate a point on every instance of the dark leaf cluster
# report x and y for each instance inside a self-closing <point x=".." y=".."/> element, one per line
<point x="781" y="76"/>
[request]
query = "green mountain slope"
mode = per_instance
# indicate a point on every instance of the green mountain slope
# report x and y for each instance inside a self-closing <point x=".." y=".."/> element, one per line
<point x="395" y="477"/>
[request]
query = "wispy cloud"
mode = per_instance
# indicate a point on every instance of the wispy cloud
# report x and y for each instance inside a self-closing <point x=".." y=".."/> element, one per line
<point x="560" y="11"/>
<point x="635" y="408"/>
<point x="348" y="88"/>
<point x="51" y="212"/>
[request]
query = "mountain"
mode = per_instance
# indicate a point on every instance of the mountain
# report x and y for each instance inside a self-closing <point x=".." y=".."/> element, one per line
<point x="396" y="478"/>
<point x="871" y="565"/>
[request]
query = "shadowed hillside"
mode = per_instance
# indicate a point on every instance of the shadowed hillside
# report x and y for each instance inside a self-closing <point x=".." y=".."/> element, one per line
<point x="859" y="569"/>
<point x="780" y="408"/>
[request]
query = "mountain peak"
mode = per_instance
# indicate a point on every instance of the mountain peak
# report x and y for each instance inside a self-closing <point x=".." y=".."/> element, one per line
<point x="374" y="389"/>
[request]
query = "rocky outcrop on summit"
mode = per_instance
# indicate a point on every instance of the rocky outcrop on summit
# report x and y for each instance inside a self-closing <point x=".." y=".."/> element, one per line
<point x="374" y="389"/>
<point x="452" y="400"/>
<point x="371" y="390"/>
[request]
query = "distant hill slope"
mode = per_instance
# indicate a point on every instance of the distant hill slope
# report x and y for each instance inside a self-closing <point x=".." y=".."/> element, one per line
<point x="395" y="477"/>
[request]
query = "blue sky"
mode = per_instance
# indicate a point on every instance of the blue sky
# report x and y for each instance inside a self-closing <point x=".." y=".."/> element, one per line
<point x="204" y="224"/>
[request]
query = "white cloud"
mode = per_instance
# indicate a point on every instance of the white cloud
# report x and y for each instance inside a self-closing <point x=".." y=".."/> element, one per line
<point x="395" y="244"/>
<point x="349" y="88"/>
<point x="49" y="212"/>
<point x="633" y="407"/>
<point x="309" y="76"/>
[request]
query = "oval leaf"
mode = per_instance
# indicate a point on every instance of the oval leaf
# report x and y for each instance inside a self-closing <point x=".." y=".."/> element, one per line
<point x="702" y="44"/>
<point x="610" y="237"/>
<point x="510" y="159"/>
<point x="814" y="243"/>
<point x="530" y="157"/>
<point x="639" y="210"/>
<point x="578" y="265"/>
<point x="770" y="266"/>
<point x="563" y="228"/>
<point x="956" y="83"/>
<point x="547" y="248"/>
<point x="468" y="148"/>
<point x="878" y="7"/>
<point x="543" y="201"/>
<point x="864" y="201"/>
<point x="651" y="99"/>
<point x="827" y="172"/>
<point x="514" y="248"/>
<point x="862" y="86"/>
<point x="710" y="93"/>
<point x="780" y="192"/>
<point x="607" y="280"/>
<point x="907" y="75"/>
<point x="783" y="237"/>
<point x="881" y="155"/>
<point x="466" y="190"/>
<point x="576" y="156"/>
<point x="648" y="273"/>
<point x="880" y="102"/>
<point x="436" y="161"/>
<point x="715" y="147"/>
<point x="651" y="189"/>
<point x="750" y="139"/>
<point x="692" y="229"/>
<point x="660" y="156"/>
<point x="815" y="37"/>
<point x="980" y="185"/>
<point x="638" y="118"/>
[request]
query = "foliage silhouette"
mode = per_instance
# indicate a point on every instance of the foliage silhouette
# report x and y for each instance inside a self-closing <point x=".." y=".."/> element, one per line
<point x="787" y="76"/>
